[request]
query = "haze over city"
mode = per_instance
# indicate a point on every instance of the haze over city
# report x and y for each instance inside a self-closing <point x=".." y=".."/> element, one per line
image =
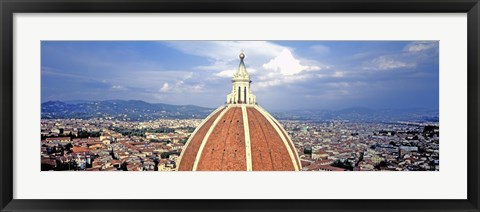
<point x="286" y="75"/>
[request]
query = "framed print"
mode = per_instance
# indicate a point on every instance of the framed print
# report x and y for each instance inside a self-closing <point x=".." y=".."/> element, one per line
<point x="265" y="105"/>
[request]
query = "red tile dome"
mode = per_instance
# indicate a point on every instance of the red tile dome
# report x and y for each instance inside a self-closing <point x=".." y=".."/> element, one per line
<point x="239" y="136"/>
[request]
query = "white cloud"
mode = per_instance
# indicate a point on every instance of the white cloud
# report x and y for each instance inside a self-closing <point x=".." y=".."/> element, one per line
<point x="165" y="88"/>
<point x="198" y="87"/>
<point x="118" y="88"/>
<point x="188" y="75"/>
<point x="387" y="63"/>
<point x="279" y="81"/>
<point x="338" y="84"/>
<point x="223" y="55"/>
<point x="60" y="73"/>
<point x="268" y="83"/>
<point x="227" y="50"/>
<point x="420" y="46"/>
<point x="338" y="74"/>
<point x="229" y="73"/>
<point x="270" y="64"/>
<point x="150" y="79"/>
<point x="287" y="64"/>
<point x="252" y="70"/>
<point x="346" y="84"/>
<point x="179" y="83"/>
<point x="226" y="73"/>
<point x="313" y="68"/>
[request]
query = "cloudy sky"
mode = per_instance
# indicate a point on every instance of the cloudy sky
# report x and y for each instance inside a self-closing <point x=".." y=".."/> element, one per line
<point x="286" y="75"/>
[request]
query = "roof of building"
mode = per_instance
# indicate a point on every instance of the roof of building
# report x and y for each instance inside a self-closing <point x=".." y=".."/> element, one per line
<point x="239" y="138"/>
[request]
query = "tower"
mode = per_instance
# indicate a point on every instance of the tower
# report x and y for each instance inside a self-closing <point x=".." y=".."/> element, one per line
<point x="241" y="93"/>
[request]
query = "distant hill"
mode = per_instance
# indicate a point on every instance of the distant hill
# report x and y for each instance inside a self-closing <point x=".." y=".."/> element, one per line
<point x="361" y="114"/>
<point x="132" y="110"/>
<point x="135" y="110"/>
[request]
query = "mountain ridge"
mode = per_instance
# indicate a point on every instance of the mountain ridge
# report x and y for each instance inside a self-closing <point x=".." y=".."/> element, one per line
<point x="132" y="110"/>
<point x="138" y="110"/>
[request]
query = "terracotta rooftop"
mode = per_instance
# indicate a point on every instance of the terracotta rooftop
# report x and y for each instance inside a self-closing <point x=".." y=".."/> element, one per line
<point x="189" y="154"/>
<point x="239" y="138"/>
<point x="80" y="149"/>
<point x="226" y="147"/>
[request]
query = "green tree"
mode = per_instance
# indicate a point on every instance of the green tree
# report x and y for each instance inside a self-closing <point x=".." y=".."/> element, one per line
<point x="165" y="154"/>
<point x="69" y="147"/>
<point x="343" y="164"/>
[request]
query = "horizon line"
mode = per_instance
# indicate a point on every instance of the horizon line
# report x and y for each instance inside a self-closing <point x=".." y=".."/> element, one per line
<point x="344" y="108"/>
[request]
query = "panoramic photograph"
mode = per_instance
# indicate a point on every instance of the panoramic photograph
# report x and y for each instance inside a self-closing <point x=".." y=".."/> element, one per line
<point x="239" y="106"/>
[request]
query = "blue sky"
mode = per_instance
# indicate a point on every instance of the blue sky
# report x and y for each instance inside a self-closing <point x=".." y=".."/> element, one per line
<point x="286" y="75"/>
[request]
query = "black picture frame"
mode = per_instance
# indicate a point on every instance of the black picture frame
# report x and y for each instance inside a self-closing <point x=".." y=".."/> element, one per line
<point x="9" y="7"/>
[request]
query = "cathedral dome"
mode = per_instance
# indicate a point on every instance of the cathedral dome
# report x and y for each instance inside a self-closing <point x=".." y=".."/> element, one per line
<point x="239" y="136"/>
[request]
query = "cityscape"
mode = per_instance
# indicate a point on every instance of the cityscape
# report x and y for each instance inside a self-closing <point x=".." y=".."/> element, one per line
<point x="108" y="144"/>
<point x="190" y="106"/>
